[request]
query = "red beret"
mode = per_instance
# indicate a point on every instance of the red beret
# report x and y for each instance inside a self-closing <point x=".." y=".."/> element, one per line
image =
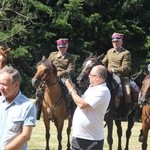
<point x="117" y="36"/>
<point x="63" y="42"/>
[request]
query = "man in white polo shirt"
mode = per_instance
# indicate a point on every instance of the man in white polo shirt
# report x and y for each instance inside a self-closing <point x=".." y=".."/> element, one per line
<point x="88" y="127"/>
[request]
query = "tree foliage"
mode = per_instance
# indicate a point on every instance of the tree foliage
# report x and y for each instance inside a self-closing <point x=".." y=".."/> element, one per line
<point x="31" y="27"/>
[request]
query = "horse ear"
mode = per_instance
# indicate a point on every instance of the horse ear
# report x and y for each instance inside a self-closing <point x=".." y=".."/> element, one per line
<point x="91" y="55"/>
<point x="101" y="56"/>
<point x="7" y="50"/>
<point x="43" y="58"/>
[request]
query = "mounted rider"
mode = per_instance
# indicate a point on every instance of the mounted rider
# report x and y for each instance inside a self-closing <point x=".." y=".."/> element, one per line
<point x="118" y="62"/>
<point x="63" y="61"/>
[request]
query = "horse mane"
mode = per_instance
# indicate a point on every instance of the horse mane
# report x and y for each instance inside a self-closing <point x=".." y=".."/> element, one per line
<point x="96" y="59"/>
<point x="48" y="63"/>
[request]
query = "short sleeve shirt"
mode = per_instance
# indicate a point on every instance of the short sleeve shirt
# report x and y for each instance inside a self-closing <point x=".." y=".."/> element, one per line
<point x="13" y="116"/>
<point x="88" y="123"/>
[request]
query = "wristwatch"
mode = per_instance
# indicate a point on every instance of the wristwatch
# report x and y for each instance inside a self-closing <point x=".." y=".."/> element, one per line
<point x="72" y="90"/>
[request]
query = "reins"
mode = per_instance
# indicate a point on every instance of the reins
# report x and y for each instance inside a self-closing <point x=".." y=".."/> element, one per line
<point x="53" y="107"/>
<point x="136" y="75"/>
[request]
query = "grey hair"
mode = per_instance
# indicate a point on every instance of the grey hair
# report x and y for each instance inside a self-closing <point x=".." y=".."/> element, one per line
<point x="13" y="72"/>
<point x="101" y="71"/>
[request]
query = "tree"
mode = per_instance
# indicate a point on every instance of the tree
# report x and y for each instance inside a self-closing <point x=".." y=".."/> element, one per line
<point x="31" y="27"/>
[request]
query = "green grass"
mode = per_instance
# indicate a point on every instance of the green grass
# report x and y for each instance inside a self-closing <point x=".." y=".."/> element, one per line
<point x="37" y="141"/>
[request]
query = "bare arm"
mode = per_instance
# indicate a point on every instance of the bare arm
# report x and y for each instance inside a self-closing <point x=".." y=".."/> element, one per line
<point x="21" y="139"/>
<point x="77" y="99"/>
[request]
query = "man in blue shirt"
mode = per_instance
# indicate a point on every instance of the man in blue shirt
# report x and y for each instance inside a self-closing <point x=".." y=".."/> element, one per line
<point x="17" y="112"/>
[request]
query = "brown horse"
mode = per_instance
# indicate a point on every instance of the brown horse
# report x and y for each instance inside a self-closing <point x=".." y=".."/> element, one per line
<point x="54" y="103"/>
<point x="3" y="55"/>
<point x="110" y="115"/>
<point x="144" y="98"/>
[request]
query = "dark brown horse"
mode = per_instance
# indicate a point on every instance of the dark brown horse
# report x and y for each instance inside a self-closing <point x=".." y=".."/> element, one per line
<point x="54" y="103"/>
<point x="144" y="98"/>
<point x="109" y="117"/>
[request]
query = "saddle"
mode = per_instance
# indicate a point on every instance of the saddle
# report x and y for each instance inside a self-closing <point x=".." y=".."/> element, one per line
<point x="123" y="109"/>
<point x="119" y="91"/>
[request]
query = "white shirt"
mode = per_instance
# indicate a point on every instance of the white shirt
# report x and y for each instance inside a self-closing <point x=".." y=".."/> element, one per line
<point x="88" y="123"/>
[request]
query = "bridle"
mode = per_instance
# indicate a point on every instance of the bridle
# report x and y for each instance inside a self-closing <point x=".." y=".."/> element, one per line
<point x="43" y="79"/>
<point x="87" y="67"/>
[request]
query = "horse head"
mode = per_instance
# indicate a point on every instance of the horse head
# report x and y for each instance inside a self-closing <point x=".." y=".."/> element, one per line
<point x="87" y="66"/>
<point x="45" y="73"/>
<point x="145" y="90"/>
<point x="3" y="54"/>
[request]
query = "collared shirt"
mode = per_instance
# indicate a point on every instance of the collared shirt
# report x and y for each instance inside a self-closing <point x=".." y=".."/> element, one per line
<point x="88" y="123"/>
<point x="13" y="116"/>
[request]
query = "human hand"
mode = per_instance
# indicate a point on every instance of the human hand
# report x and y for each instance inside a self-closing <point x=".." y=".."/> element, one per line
<point x="69" y="84"/>
<point x="59" y="73"/>
<point x="110" y="70"/>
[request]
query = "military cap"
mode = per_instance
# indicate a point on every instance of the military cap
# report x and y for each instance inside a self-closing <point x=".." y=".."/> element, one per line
<point x="63" y="42"/>
<point x="117" y="36"/>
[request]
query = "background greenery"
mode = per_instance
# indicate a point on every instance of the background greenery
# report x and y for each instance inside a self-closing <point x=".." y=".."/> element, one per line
<point x="31" y="27"/>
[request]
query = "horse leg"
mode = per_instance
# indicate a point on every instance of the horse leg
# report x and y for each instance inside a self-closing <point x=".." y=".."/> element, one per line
<point x="119" y="133"/>
<point x="47" y="127"/>
<point x="145" y="136"/>
<point x="128" y="132"/>
<point x="68" y="133"/>
<point x="109" y="135"/>
<point x="59" y="125"/>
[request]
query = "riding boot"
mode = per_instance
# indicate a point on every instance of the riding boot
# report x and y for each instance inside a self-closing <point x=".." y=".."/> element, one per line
<point x="138" y="112"/>
<point x="67" y="96"/>
<point x="68" y="100"/>
<point x="126" y="109"/>
<point x="39" y="99"/>
<point x="39" y="109"/>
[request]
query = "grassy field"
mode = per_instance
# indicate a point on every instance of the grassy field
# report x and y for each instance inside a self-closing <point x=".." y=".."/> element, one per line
<point x="37" y="141"/>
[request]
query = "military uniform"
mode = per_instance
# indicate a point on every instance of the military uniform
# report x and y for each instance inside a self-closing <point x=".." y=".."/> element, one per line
<point x="120" y="61"/>
<point x="65" y="64"/>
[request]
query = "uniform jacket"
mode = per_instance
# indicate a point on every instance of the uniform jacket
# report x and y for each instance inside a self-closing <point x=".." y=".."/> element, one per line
<point x="120" y="61"/>
<point x="65" y="64"/>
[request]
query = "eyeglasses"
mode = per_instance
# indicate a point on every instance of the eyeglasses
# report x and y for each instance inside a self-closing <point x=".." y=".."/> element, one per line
<point x="92" y="75"/>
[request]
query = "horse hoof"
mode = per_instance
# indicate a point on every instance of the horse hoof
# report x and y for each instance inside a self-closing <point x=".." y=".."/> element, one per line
<point x="140" y="138"/>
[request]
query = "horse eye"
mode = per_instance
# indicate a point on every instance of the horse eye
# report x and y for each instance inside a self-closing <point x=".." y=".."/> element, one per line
<point x="46" y="70"/>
